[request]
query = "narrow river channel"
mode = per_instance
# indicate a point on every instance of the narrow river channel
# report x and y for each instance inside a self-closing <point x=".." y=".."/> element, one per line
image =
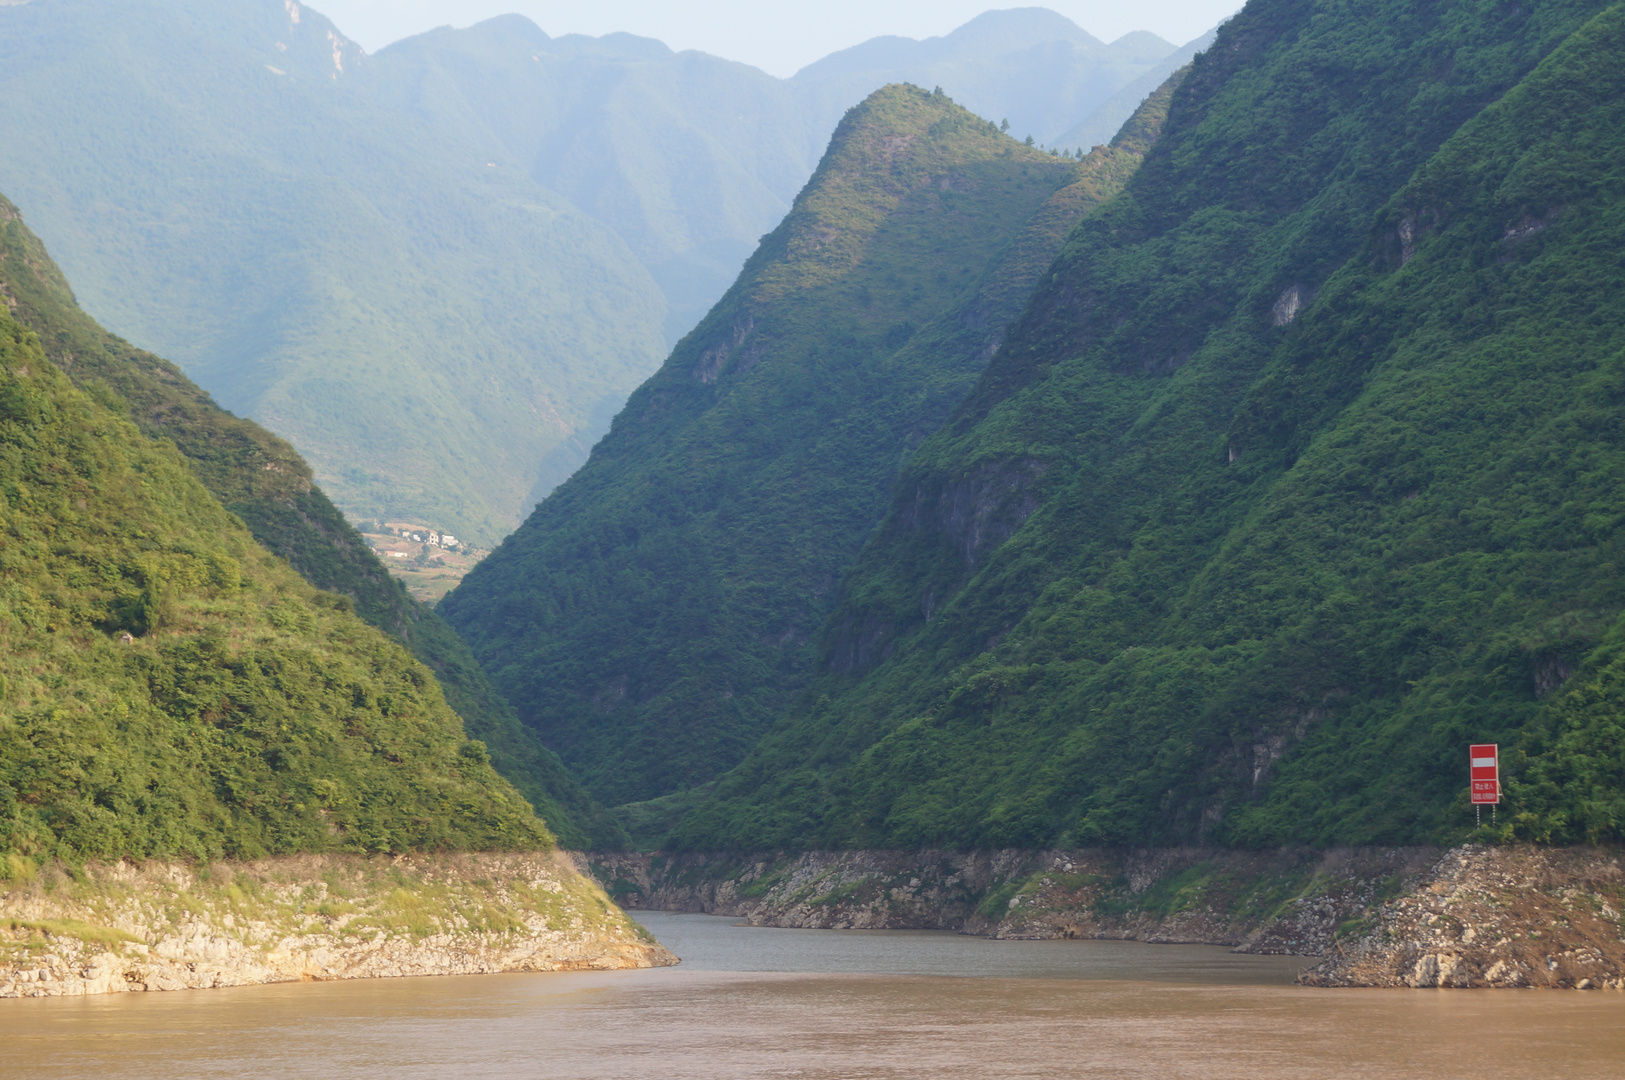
<point x="817" y="1004"/>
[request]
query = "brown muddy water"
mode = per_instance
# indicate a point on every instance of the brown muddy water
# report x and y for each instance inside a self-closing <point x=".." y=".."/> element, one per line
<point x="817" y="1004"/>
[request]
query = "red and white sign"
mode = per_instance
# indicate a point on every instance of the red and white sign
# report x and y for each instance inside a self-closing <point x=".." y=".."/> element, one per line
<point x="1484" y="768"/>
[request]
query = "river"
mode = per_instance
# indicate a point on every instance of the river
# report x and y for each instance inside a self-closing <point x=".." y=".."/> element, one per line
<point x="826" y="1004"/>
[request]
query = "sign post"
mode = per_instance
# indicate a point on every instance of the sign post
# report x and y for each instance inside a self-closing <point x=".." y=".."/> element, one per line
<point x="1484" y="773"/>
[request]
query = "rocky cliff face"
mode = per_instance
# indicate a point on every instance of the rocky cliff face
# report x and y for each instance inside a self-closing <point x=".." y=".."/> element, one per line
<point x="169" y="926"/>
<point x="1470" y="916"/>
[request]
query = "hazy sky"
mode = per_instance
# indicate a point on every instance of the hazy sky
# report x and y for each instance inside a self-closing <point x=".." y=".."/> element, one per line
<point x="777" y="37"/>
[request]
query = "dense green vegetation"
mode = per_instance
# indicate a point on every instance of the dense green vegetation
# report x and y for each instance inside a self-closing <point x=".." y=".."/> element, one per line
<point x="658" y="610"/>
<point x="1229" y="515"/>
<point x="262" y="480"/>
<point x="1301" y="471"/>
<point x="168" y="687"/>
<point x="437" y="270"/>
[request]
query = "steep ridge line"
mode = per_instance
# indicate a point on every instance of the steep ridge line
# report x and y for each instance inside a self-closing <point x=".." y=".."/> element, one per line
<point x="439" y="269"/>
<point x="169" y="688"/>
<point x="654" y="613"/>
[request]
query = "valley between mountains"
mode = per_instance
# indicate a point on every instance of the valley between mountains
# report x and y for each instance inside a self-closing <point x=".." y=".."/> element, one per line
<point x="1124" y="542"/>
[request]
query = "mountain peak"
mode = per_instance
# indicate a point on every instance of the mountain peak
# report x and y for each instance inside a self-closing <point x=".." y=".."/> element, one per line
<point x="1021" y="27"/>
<point x="624" y="612"/>
<point x="1143" y="46"/>
<point x="897" y="140"/>
<point x="990" y="33"/>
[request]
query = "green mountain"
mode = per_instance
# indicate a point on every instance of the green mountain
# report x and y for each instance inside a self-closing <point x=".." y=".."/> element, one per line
<point x="1301" y="470"/>
<point x="690" y="158"/>
<point x="658" y="610"/>
<point x="263" y="481"/>
<point x="437" y="271"/>
<point x="170" y="688"/>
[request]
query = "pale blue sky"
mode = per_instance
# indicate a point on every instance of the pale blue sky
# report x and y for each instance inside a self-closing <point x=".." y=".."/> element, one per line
<point x="777" y="37"/>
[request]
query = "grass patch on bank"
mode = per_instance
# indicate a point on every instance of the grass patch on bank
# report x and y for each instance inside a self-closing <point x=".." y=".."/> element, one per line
<point x="349" y="897"/>
<point x="89" y="933"/>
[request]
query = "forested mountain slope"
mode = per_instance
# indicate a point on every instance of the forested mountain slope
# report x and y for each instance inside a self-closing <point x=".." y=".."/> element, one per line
<point x="690" y="158"/>
<point x="262" y="480"/>
<point x="1302" y="470"/>
<point x="657" y="611"/>
<point x="439" y="270"/>
<point x="170" y="688"/>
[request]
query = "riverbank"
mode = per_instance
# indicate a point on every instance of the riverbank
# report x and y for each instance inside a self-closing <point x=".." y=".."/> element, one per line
<point x="1413" y="916"/>
<point x="1493" y="916"/>
<point x="123" y="927"/>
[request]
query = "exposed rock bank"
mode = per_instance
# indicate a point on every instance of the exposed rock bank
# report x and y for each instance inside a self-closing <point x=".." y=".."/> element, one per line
<point x="170" y="926"/>
<point x="1379" y="916"/>
<point x="1284" y="901"/>
<point x="1505" y="917"/>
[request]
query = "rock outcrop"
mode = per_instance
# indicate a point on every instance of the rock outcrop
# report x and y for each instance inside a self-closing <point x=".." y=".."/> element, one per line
<point x="1470" y="916"/>
<point x="1492" y="916"/>
<point x="1291" y="901"/>
<point x="171" y="926"/>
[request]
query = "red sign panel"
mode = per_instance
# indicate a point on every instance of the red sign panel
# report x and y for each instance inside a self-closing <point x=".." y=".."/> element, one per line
<point x="1484" y="768"/>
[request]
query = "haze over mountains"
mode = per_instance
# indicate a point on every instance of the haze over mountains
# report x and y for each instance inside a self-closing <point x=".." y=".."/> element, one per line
<point x="1029" y="66"/>
<point x="440" y="269"/>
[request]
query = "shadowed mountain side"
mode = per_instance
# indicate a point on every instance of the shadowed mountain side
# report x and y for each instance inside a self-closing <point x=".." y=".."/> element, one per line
<point x="658" y="609"/>
<point x="689" y="158"/>
<point x="1301" y="471"/>
<point x="262" y="480"/>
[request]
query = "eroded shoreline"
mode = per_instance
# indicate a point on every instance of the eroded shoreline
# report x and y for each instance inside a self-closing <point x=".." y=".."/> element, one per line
<point x="119" y="927"/>
<point x="1471" y="916"/>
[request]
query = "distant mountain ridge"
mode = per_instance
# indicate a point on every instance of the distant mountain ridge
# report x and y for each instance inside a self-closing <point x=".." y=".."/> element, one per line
<point x="1100" y="125"/>
<point x="1030" y="66"/>
<point x="220" y="188"/>
<point x="438" y="270"/>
